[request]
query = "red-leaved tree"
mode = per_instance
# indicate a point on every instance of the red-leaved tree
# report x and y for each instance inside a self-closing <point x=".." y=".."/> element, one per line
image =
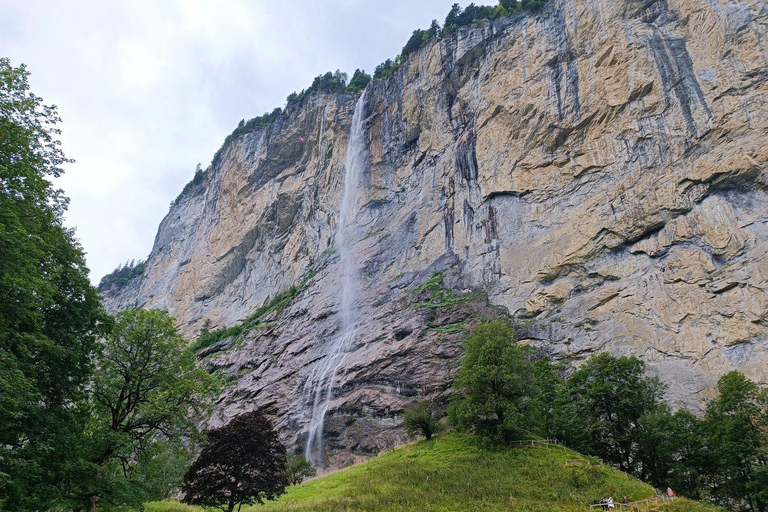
<point x="243" y="463"/>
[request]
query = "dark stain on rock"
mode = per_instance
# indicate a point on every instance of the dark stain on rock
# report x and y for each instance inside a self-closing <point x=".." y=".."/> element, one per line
<point x="564" y="72"/>
<point x="401" y="334"/>
<point x="675" y="67"/>
<point x="449" y="216"/>
<point x="466" y="156"/>
<point x="491" y="225"/>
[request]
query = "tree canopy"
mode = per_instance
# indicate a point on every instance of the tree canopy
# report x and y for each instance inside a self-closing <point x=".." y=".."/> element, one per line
<point x="147" y="396"/>
<point x="49" y="312"/>
<point x="422" y="418"/>
<point x="496" y="382"/>
<point x="243" y="463"/>
<point x="611" y="409"/>
<point x="299" y="468"/>
<point x="608" y="396"/>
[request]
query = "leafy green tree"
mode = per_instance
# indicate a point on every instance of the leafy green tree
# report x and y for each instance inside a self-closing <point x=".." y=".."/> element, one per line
<point x="549" y="397"/>
<point x="49" y="312"/>
<point x="694" y="465"/>
<point x="656" y="446"/>
<point x="299" y="468"/>
<point x="147" y="397"/>
<point x="735" y="424"/>
<point x="161" y="467"/>
<point x="243" y="463"/>
<point x="497" y="384"/>
<point x="608" y="397"/>
<point x="358" y="82"/>
<point x="422" y="418"/>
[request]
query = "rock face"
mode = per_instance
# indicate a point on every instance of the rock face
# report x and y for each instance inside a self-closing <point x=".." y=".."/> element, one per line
<point x="598" y="169"/>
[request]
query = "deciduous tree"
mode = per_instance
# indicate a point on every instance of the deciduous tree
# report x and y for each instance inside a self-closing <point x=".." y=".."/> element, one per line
<point x="735" y="424"/>
<point x="49" y="312"/>
<point x="147" y="396"/>
<point x="422" y="418"/>
<point x="496" y="381"/>
<point x="243" y="463"/>
<point x="608" y="397"/>
<point x="299" y="468"/>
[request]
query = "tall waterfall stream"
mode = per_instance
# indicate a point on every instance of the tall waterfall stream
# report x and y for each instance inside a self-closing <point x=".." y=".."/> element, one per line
<point x="319" y="385"/>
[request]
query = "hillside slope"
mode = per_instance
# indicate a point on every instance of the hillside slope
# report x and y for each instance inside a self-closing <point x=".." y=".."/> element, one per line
<point x="456" y="473"/>
<point x="599" y="169"/>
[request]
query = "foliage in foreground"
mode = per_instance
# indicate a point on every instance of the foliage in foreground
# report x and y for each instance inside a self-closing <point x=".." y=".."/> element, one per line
<point x="243" y="463"/>
<point x="50" y="315"/>
<point x="147" y="396"/>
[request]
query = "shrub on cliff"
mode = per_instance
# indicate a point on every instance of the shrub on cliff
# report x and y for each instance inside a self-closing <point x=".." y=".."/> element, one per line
<point x="119" y="277"/>
<point x="358" y="82"/>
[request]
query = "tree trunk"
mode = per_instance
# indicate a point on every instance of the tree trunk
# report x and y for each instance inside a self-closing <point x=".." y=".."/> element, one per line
<point x="92" y="503"/>
<point x="230" y="506"/>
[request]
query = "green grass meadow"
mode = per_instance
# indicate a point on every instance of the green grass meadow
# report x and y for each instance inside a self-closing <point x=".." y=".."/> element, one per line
<point x="455" y="473"/>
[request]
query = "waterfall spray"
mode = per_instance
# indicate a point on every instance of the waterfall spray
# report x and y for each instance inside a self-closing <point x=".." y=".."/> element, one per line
<point x="319" y="385"/>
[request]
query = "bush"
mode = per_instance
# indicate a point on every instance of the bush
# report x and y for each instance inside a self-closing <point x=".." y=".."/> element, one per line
<point x="422" y="418"/>
<point x="299" y="468"/>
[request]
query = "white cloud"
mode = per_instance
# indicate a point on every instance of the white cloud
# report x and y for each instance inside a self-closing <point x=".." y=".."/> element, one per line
<point x="148" y="89"/>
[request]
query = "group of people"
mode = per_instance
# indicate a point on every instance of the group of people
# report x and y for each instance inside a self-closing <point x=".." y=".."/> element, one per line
<point x="608" y="503"/>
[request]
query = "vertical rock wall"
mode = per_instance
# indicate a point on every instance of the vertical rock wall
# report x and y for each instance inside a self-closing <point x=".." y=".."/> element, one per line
<point x="598" y="169"/>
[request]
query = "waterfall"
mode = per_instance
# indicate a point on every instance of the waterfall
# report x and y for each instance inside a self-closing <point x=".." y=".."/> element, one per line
<point x="319" y="384"/>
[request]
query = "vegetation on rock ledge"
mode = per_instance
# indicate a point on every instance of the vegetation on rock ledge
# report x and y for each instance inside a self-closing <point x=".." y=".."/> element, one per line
<point x="255" y="320"/>
<point x="119" y="277"/>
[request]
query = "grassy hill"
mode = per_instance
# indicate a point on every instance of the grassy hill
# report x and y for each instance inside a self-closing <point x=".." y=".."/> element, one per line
<point x="458" y="473"/>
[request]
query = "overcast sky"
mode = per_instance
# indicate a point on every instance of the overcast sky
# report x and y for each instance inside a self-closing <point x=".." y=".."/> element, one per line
<point x="147" y="89"/>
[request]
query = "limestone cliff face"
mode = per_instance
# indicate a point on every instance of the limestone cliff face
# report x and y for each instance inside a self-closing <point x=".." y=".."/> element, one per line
<point x="598" y="169"/>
